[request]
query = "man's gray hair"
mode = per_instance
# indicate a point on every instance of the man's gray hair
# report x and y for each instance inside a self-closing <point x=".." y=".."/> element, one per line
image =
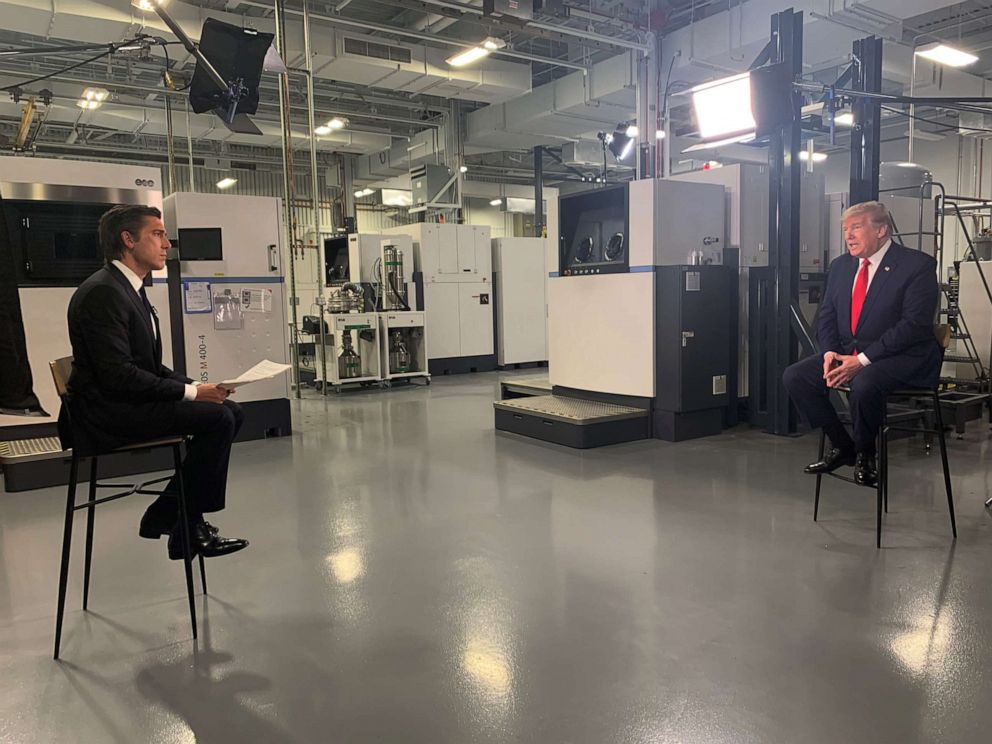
<point x="877" y="212"/>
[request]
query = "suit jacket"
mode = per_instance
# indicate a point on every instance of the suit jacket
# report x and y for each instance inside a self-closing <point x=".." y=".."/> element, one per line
<point x="117" y="368"/>
<point x="897" y="318"/>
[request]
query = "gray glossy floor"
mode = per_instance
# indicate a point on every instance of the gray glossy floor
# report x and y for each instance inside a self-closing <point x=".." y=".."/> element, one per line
<point x="413" y="577"/>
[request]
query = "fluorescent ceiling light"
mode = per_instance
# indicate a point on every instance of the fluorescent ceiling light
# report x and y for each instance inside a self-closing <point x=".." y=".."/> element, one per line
<point x="632" y="131"/>
<point x="364" y="192"/>
<point x="495" y="202"/>
<point x="226" y="183"/>
<point x="337" y="123"/>
<point x="818" y="157"/>
<point x="723" y="107"/>
<point x="660" y="134"/>
<point x="947" y="55"/>
<point x="322" y="130"/>
<point x="468" y="56"/>
<point x="88" y="105"/>
<point x="844" y="120"/>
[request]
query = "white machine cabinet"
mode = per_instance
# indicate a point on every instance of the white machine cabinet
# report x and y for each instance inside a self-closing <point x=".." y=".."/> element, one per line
<point x="520" y="276"/>
<point x="455" y="264"/>
<point x="402" y="348"/>
<point x="230" y="311"/>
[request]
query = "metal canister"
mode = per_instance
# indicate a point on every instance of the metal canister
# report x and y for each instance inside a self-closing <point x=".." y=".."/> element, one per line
<point x="349" y="362"/>
<point x="394" y="293"/>
<point x="399" y="355"/>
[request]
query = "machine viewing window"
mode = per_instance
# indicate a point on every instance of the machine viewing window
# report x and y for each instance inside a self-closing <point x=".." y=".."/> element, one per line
<point x="55" y="244"/>
<point x="336" y="259"/>
<point x="200" y="244"/>
<point x="594" y="236"/>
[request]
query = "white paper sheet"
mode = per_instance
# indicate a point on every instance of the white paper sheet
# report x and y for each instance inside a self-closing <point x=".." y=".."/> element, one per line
<point x="264" y="370"/>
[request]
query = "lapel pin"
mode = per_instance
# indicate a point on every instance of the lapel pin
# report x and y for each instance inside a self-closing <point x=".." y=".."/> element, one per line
<point x="888" y="268"/>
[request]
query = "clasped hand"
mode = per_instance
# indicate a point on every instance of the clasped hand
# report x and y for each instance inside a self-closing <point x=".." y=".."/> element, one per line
<point x="839" y="369"/>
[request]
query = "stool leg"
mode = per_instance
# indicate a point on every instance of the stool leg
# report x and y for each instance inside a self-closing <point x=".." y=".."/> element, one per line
<point x="184" y="534"/>
<point x="90" y="516"/>
<point x="883" y="468"/>
<point x="70" y="502"/>
<point x="819" y="478"/>
<point x="879" y="486"/>
<point x="942" y="441"/>
<point x="203" y="574"/>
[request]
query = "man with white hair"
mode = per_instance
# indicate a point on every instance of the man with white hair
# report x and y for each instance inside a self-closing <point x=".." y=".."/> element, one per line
<point x="875" y="329"/>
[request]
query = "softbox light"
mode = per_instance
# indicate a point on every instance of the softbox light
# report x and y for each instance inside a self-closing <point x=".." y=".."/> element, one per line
<point x="237" y="54"/>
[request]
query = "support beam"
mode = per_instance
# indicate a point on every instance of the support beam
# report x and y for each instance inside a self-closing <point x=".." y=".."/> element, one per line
<point x="539" y="191"/>
<point x="866" y="77"/>
<point x="785" y="176"/>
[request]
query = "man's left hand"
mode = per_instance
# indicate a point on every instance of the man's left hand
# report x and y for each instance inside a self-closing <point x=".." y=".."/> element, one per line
<point x="844" y="372"/>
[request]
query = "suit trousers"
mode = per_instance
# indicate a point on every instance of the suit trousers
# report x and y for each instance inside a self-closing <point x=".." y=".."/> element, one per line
<point x="211" y="427"/>
<point x="807" y="388"/>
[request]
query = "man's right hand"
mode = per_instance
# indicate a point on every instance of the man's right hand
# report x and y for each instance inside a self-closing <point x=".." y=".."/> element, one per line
<point x="829" y="360"/>
<point x="209" y="393"/>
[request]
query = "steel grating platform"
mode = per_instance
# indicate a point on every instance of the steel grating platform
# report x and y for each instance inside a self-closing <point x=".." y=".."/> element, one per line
<point x="573" y="422"/>
<point x="27" y="450"/>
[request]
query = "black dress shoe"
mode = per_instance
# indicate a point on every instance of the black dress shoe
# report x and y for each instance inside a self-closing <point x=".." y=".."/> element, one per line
<point x="835" y="458"/>
<point x="204" y="542"/>
<point x="865" y="472"/>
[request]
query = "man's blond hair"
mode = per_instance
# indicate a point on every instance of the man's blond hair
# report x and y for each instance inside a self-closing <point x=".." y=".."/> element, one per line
<point x="877" y="212"/>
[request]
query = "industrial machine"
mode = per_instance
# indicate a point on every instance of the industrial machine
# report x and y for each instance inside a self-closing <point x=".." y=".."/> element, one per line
<point x="381" y="266"/>
<point x="352" y="343"/>
<point x="52" y="209"/>
<point x="747" y="191"/>
<point x="454" y="265"/>
<point x="640" y="318"/>
<point x="228" y="309"/>
<point x="520" y="280"/>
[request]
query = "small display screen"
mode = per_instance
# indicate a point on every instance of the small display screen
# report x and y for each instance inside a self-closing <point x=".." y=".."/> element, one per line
<point x="336" y="259"/>
<point x="200" y="244"/>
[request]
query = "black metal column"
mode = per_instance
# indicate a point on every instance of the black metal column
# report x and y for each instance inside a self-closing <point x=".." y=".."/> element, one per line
<point x="538" y="191"/>
<point x="866" y="76"/>
<point x="783" y="229"/>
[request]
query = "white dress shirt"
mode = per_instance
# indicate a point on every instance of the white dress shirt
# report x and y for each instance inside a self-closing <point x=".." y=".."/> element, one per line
<point x="135" y="281"/>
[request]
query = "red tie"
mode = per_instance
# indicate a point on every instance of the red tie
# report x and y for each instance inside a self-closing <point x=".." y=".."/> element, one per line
<point x="858" y="296"/>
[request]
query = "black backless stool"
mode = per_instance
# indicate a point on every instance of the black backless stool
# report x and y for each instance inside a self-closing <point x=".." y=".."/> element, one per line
<point x="61" y="368"/>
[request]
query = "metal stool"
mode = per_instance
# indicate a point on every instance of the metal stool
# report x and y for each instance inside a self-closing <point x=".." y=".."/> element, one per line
<point x="61" y="368"/>
<point x="882" y="446"/>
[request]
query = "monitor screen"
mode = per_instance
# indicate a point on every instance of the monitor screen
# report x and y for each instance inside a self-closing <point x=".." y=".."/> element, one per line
<point x="200" y="244"/>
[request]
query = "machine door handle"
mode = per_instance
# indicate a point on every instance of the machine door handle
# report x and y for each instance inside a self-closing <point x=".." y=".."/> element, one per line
<point x="273" y="258"/>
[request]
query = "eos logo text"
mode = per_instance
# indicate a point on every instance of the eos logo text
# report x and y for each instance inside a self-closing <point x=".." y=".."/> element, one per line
<point x="144" y="182"/>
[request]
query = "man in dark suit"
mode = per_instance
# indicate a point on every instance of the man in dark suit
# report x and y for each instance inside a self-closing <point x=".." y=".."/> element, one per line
<point x="875" y="329"/>
<point x="120" y="392"/>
